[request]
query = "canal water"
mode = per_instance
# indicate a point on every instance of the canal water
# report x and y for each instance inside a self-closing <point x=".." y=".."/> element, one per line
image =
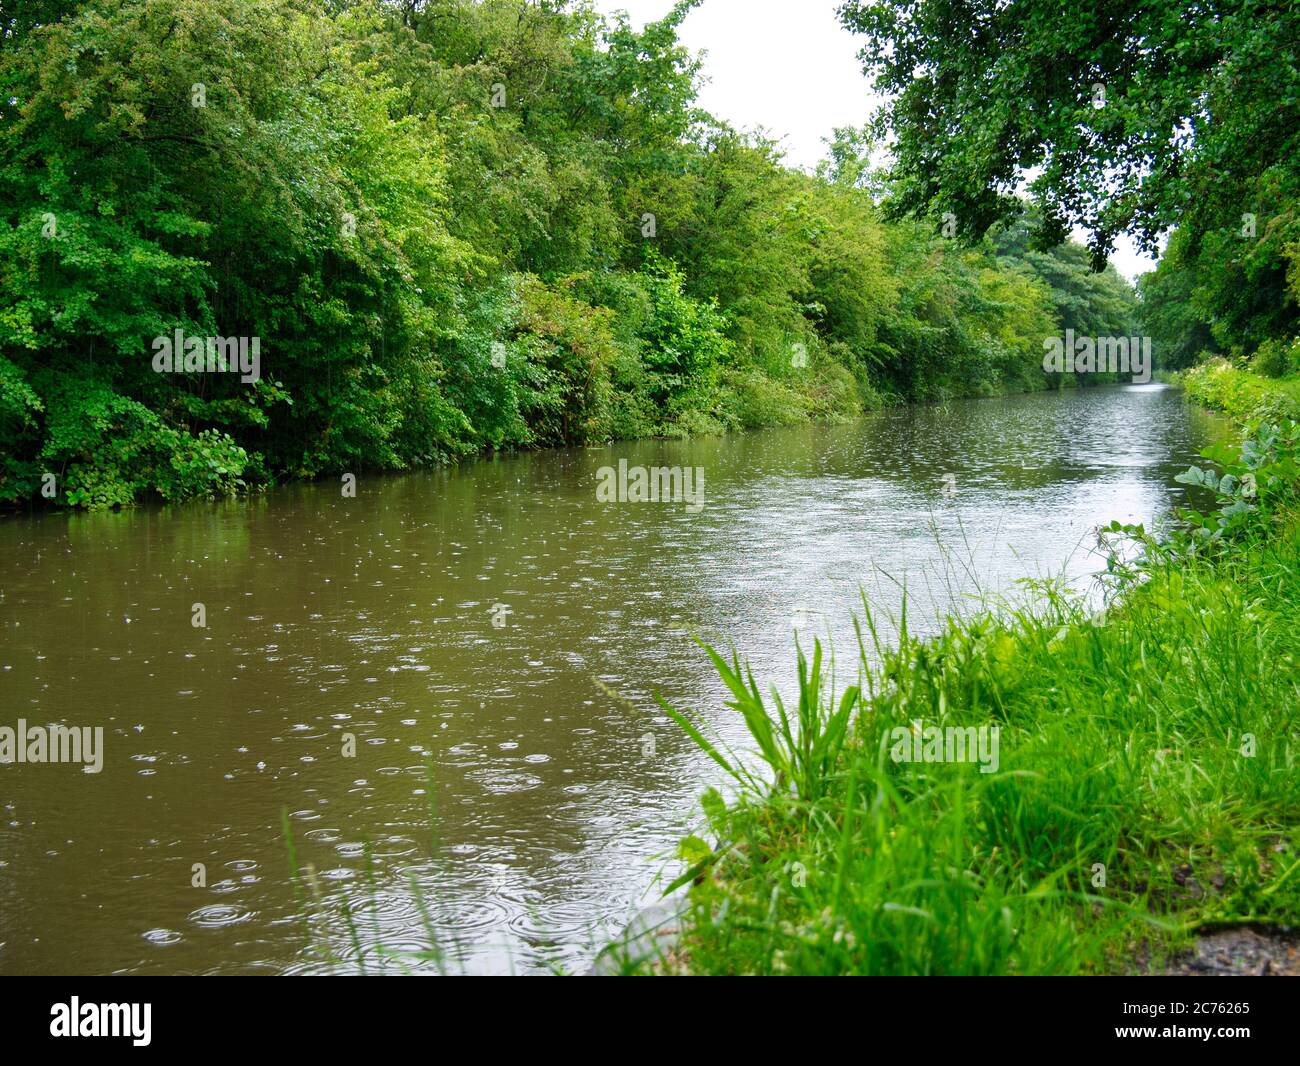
<point x="444" y="685"/>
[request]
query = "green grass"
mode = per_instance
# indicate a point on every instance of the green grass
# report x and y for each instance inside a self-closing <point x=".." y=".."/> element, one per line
<point x="1147" y="780"/>
<point x="1240" y="393"/>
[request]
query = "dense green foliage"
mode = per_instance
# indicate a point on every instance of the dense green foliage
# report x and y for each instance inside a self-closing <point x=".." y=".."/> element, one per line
<point x="452" y="226"/>
<point x="1128" y="117"/>
<point x="1228" y="294"/>
<point x="1145" y="783"/>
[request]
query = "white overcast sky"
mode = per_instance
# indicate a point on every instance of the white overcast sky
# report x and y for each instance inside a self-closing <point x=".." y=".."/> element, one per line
<point x="790" y="68"/>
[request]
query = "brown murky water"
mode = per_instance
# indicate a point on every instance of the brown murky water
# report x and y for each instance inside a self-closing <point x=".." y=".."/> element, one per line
<point x="555" y="797"/>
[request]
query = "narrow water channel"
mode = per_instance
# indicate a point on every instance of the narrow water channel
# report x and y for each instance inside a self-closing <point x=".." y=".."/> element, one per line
<point x="496" y="620"/>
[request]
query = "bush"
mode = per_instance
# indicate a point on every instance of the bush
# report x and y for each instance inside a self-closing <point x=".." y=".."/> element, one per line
<point x="110" y="449"/>
<point x="685" y="342"/>
<point x="568" y="350"/>
<point x="751" y="400"/>
<point x="1270" y="359"/>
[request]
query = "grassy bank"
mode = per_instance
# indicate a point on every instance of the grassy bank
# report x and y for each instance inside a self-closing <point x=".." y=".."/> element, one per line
<point x="1144" y="783"/>
<point x="1243" y="395"/>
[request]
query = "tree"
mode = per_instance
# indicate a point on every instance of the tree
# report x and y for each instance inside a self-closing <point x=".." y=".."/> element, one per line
<point x="1137" y="116"/>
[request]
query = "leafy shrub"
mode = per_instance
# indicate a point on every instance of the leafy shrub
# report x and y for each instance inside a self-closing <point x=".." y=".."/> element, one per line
<point x="685" y="342"/>
<point x="569" y="349"/>
<point x="750" y="399"/>
<point x="1257" y="482"/>
<point x="1270" y="359"/>
<point x="111" y="449"/>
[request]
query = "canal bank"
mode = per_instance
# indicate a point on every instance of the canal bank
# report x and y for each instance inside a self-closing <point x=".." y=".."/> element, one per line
<point x="1148" y="785"/>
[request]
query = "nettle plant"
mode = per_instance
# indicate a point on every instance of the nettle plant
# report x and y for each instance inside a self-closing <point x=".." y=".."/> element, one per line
<point x="1256" y="483"/>
<point x="1258" y="480"/>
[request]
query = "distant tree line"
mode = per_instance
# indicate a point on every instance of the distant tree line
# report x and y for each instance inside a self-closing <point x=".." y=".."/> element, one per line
<point x="451" y="227"/>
